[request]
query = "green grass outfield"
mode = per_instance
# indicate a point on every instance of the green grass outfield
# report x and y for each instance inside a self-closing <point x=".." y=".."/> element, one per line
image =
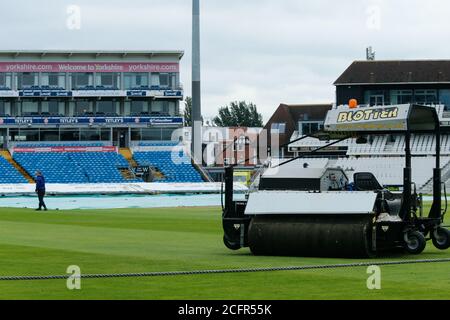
<point x="145" y="240"/>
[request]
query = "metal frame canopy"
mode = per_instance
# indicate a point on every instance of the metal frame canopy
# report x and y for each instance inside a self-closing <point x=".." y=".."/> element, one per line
<point x="403" y="118"/>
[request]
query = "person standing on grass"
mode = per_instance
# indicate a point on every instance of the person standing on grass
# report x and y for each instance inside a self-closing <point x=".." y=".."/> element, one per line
<point x="40" y="190"/>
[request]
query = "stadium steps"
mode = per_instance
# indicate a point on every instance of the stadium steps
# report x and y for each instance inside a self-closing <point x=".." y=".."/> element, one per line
<point x="445" y="177"/>
<point x="203" y="173"/>
<point x="127" y="173"/>
<point x="126" y="153"/>
<point x="5" y="154"/>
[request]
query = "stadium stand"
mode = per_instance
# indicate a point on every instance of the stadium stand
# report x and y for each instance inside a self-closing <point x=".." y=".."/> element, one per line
<point x="389" y="145"/>
<point x="389" y="170"/>
<point x="9" y="174"/>
<point x="384" y="156"/>
<point x="75" y="167"/>
<point x="172" y="162"/>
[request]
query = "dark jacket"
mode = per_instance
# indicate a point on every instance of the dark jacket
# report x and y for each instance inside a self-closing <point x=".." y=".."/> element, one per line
<point x="40" y="183"/>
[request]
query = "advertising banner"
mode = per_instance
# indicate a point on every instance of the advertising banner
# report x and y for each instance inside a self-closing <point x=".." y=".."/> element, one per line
<point x="91" y="120"/>
<point x="66" y="149"/>
<point x="24" y="66"/>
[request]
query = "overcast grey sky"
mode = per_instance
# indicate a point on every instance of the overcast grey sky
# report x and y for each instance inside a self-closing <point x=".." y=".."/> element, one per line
<point x="264" y="51"/>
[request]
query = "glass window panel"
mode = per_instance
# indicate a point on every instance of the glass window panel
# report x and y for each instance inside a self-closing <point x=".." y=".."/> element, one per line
<point x="53" y="79"/>
<point x="5" y="80"/>
<point x="83" y="106"/>
<point x="105" y="134"/>
<point x="26" y="80"/>
<point x="167" y="134"/>
<point x="157" y="106"/>
<point x="109" y="80"/>
<point x="106" y="106"/>
<point x="70" y="134"/>
<point x="30" y="135"/>
<point x="151" y="134"/>
<point x="50" y="106"/>
<point x="135" y="80"/>
<point x="164" y="80"/>
<point x="90" y="134"/>
<point x="82" y="80"/>
<point x="29" y="107"/>
<point x="49" y="135"/>
<point x="136" y="134"/>
<point x="138" y="106"/>
<point x="444" y="97"/>
<point x="172" y="108"/>
<point x="279" y="128"/>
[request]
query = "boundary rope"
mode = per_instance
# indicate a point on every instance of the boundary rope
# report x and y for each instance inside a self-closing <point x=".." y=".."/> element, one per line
<point x="225" y="271"/>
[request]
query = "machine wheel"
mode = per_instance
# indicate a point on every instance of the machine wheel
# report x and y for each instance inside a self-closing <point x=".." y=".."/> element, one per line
<point x="231" y="245"/>
<point x="415" y="242"/>
<point x="441" y="238"/>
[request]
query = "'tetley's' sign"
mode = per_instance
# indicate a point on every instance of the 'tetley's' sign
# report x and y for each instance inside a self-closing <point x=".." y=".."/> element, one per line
<point x="89" y="67"/>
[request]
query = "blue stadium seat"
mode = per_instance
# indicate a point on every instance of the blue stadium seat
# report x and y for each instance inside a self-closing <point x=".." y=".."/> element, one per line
<point x="75" y="167"/>
<point x="9" y="174"/>
<point x="175" y="165"/>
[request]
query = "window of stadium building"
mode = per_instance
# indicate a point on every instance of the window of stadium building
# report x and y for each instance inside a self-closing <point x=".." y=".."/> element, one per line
<point x="136" y="134"/>
<point x="27" y="80"/>
<point x="52" y="107"/>
<point x="30" y="107"/>
<point x="24" y="134"/>
<point x="135" y="80"/>
<point x="3" y="139"/>
<point x="138" y="107"/>
<point x="107" y="107"/>
<point x="90" y="134"/>
<point x="279" y="128"/>
<point x="306" y="128"/>
<point x="425" y="96"/>
<point x="164" y="107"/>
<point x="444" y="98"/>
<point x="49" y="135"/>
<point x="70" y="135"/>
<point x="151" y="134"/>
<point x="82" y="80"/>
<point x="374" y="97"/>
<point x="166" y="134"/>
<point x="108" y="80"/>
<point x="105" y="134"/>
<point x="2" y="108"/>
<point x="83" y="107"/>
<point x="5" y="80"/>
<point x="165" y="80"/>
<point x="401" y="96"/>
<point x="53" y="80"/>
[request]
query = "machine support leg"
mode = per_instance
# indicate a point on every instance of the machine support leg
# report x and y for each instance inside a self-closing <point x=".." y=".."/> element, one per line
<point x="436" y="208"/>
<point x="406" y="207"/>
<point x="229" y="189"/>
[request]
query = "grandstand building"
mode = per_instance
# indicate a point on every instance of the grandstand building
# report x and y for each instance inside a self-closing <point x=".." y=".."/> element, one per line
<point x="116" y="97"/>
<point x="395" y="82"/>
<point x="92" y="117"/>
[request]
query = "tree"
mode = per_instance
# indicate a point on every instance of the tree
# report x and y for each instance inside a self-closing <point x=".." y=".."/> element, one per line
<point x="188" y="111"/>
<point x="239" y="114"/>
